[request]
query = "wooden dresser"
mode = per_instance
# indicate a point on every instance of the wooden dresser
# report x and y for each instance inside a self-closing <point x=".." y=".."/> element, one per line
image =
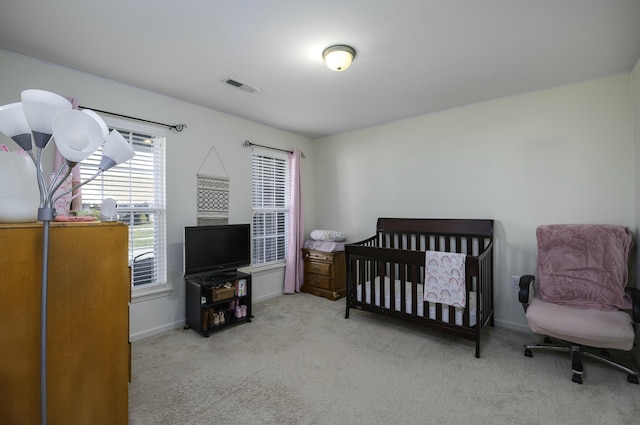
<point x="88" y="352"/>
<point x="324" y="273"/>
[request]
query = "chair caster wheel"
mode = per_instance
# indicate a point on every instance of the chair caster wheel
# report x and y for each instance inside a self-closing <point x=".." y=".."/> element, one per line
<point x="605" y="353"/>
<point x="633" y="379"/>
<point x="527" y="352"/>
<point x="576" y="378"/>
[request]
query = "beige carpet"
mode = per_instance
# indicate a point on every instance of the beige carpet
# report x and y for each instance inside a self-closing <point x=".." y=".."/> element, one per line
<point x="301" y="362"/>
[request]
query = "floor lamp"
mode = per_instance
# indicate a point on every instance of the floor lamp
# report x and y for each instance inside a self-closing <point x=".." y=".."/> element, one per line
<point x="40" y="117"/>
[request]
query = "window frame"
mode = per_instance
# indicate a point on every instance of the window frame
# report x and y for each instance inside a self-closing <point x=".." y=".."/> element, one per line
<point x="275" y="200"/>
<point x="158" y="209"/>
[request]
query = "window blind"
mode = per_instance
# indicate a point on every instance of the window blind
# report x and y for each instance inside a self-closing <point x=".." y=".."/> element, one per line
<point x="270" y="201"/>
<point x="138" y="186"/>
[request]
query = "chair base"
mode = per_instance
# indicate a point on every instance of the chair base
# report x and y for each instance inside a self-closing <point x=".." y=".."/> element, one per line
<point x="577" y="351"/>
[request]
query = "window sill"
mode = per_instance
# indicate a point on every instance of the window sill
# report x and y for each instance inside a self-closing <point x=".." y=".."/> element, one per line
<point x="263" y="269"/>
<point x="145" y="294"/>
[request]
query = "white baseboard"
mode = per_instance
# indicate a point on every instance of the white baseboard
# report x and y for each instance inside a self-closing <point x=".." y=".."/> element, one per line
<point x="267" y="297"/>
<point x="511" y="325"/>
<point x="156" y="331"/>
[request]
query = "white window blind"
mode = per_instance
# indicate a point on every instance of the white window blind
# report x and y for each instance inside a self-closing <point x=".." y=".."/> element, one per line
<point x="138" y="186"/>
<point x="270" y="190"/>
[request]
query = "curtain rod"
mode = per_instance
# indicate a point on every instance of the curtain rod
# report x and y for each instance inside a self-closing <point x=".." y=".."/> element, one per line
<point x="177" y="127"/>
<point x="247" y="144"/>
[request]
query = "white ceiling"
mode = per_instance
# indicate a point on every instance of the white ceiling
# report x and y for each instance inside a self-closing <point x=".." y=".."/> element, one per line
<point x="413" y="56"/>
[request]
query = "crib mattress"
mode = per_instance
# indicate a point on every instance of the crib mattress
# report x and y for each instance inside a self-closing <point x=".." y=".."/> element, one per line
<point x="420" y="303"/>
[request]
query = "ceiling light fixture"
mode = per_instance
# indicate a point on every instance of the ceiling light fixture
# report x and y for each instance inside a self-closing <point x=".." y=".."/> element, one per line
<point x="339" y="57"/>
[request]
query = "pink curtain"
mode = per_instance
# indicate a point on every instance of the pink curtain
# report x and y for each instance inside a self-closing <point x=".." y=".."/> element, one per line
<point x="58" y="160"/>
<point x="294" y="269"/>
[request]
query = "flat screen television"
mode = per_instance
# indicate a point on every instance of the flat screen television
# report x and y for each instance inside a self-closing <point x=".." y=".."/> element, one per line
<point x="216" y="249"/>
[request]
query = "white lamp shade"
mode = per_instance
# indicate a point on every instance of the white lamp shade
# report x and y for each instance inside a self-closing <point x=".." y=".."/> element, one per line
<point x="116" y="150"/>
<point x="99" y="120"/>
<point x="339" y="58"/>
<point x="19" y="194"/>
<point x="77" y="134"/>
<point x="39" y="108"/>
<point x="13" y="121"/>
<point x="14" y="124"/>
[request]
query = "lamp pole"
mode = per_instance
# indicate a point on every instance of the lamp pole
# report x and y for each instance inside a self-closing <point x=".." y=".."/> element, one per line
<point x="46" y="214"/>
<point x="43" y="318"/>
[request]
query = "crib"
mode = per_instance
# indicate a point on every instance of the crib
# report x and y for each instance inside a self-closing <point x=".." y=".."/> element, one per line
<point x="386" y="273"/>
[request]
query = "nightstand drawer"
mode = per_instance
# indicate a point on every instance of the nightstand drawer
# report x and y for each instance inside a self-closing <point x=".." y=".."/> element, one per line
<point x="318" y="268"/>
<point x="323" y="282"/>
<point x="318" y="255"/>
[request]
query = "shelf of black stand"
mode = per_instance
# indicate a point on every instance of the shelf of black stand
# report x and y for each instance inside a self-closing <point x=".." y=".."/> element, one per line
<point x="200" y="290"/>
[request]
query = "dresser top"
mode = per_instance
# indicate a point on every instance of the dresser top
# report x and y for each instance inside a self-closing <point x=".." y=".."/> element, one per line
<point x="60" y="224"/>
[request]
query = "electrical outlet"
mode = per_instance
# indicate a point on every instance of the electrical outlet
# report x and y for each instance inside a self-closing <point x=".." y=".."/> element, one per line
<point x="515" y="281"/>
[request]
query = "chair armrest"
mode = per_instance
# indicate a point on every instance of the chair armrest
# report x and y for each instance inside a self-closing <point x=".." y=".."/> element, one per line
<point x="635" y="298"/>
<point x="524" y="290"/>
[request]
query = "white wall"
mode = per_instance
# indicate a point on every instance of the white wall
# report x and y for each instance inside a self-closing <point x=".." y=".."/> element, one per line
<point x="560" y="155"/>
<point x="635" y="90"/>
<point x="563" y="155"/>
<point x="635" y="105"/>
<point x="185" y="153"/>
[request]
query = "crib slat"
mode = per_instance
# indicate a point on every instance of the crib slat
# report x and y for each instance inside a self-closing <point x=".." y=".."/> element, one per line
<point x="385" y="270"/>
<point x="391" y="272"/>
<point x="465" y="313"/>
<point x="402" y="277"/>
<point x="363" y="278"/>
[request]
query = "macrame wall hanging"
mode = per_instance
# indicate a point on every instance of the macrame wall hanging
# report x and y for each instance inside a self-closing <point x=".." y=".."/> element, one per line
<point x="213" y="191"/>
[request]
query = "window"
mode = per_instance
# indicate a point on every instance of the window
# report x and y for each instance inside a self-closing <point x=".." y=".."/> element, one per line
<point x="270" y="189"/>
<point x="138" y="187"/>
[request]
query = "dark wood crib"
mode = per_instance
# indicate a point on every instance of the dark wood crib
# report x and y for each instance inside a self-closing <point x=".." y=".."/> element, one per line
<point x="385" y="273"/>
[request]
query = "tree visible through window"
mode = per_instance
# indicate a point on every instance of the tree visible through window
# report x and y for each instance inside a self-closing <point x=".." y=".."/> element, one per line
<point x="270" y="194"/>
<point x="138" y="187"/>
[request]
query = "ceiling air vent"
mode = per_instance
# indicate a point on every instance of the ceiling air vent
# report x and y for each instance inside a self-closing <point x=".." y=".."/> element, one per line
<point x="239" y="84"/>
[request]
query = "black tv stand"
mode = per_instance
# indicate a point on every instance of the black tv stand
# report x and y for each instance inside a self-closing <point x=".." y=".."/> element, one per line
<point x="216" y="294"/>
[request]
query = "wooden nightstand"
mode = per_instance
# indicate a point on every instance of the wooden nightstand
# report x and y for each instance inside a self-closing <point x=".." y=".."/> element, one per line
<point x="324" y="274"/>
